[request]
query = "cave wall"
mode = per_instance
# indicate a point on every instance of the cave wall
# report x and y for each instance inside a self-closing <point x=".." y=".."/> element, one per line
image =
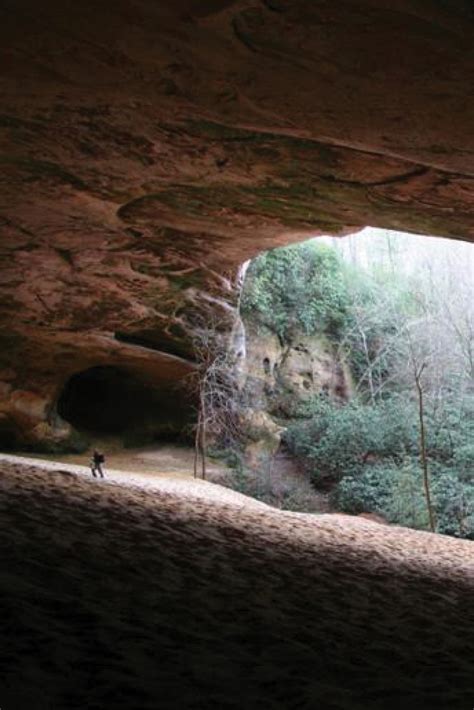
<point x="148" y="148"/>
<point x="281" y="377"/>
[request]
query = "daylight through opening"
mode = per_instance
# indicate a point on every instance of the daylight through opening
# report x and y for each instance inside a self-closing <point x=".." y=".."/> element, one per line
<point x="360" y="360"/>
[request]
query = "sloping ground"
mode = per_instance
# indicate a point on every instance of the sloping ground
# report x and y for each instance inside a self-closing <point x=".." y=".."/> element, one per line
<point x="115" y="597"/>
<point x="141" y="475"/>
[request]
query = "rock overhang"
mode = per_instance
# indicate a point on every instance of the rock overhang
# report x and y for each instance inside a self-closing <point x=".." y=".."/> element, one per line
<point x="146" y="149"/>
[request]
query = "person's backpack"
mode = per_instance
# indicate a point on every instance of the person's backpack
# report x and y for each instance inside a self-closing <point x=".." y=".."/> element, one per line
<point x="101" y="458"/>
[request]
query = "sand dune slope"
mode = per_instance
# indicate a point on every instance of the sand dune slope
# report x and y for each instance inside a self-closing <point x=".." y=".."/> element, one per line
<point x="123" y="598"/>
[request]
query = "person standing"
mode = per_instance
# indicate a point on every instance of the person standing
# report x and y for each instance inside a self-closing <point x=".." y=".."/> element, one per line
<point x="97" y="462"/>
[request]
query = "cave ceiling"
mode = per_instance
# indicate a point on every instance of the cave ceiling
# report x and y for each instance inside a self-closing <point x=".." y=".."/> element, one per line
<point x="147" y="148"/>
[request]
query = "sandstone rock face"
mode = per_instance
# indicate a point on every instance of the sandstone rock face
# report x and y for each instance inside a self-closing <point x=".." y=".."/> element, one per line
<point x="148" y="148"/>
<point x="281" y="377"/>
<point x="263" y="437"/>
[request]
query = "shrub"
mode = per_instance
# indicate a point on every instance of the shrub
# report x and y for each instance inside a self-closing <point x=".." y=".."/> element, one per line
<point x="298" y="287"/>
<point x="342" y="440"/>
<point x="454" y="501"/>
<point x="369" y="492"/>
<point x="397" y="493"/>
<point x="463" y="461"/>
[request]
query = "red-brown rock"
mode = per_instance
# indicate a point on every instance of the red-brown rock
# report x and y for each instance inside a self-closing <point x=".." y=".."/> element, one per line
<point x="147" y="148"/>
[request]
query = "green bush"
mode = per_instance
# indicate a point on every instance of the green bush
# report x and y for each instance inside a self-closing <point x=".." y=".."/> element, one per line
<point x="369" y="492"/>
<point x="454" y="501"/>
<point x="299" y="288"/>
<point x="463" y="461"/>
<point x="342" y="440"/>
<point x="397" y="493"/>
<point x="369" y="457"/>
<point x="407" y="503"/>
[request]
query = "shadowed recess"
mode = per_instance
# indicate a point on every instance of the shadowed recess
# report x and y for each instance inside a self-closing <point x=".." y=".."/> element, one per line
<point x="113" y="400"/>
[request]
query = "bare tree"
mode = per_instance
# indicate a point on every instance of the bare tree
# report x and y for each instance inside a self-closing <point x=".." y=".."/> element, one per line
<point x="378" y="354"/>
<point x="214" y="385"/>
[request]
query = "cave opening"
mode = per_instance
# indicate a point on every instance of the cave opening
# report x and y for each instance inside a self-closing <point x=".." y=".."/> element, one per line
<point x="114" y="401"/>
<point x="371" y="337"/>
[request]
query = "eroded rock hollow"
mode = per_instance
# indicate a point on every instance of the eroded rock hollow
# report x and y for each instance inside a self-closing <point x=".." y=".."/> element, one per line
<point x="148" y="148"/>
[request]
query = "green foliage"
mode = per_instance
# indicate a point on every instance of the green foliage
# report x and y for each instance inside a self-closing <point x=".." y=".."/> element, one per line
<point x="407" y="504"/>
<point x="464" y="462"/>
<point x="368" y="492"/>
<point x="232" y="457"/>
<point x="396" y="493"/>
<point x="368" y="456"/>
<point x="297" y="288"/>
<point x="450" y="433"/>
<point x="385" y="325"/>
<point x="393" y="491"/>
<point x="454" y="503"/>
<point x="341" y="440"/>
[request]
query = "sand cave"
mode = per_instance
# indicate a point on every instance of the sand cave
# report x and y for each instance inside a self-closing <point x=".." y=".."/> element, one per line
<point x="148" y="150"/>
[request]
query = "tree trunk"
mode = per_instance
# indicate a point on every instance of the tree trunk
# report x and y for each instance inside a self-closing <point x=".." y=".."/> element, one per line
<point x="203" y="435"/>
<point x="423" y="457"/>
<point x="196" y="443"/>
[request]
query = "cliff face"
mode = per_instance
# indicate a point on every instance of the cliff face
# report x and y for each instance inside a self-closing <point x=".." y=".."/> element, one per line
<point x="148" y="148"/>
<point x="281" y="378"/>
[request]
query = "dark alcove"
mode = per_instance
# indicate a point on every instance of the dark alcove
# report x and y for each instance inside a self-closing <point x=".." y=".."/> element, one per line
<point x="112" y="400"/>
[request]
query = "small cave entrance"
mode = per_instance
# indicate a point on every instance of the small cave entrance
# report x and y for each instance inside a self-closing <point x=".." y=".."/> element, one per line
<point x="108" y="400"/>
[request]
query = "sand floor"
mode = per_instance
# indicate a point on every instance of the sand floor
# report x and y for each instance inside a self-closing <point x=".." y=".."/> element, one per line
<point x="174" y="479"/>
<point x="120" y="595"/>
<point x="164" y="459"/>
